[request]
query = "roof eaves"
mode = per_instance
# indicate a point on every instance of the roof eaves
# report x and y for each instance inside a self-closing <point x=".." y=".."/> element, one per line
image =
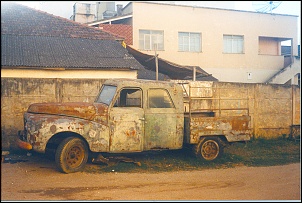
<point x="110" y="19"/>
<point x="172" y="4"/>
<point x="66" y="68"/>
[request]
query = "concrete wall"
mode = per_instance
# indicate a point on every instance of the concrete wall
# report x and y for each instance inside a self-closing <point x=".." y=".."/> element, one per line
<point x="273" y="108"/>
<point x="18" y="93"/>
<point x="84" y="12"/>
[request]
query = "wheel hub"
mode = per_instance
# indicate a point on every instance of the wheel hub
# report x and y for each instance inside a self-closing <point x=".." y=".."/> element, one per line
<point x="210" y="150"/>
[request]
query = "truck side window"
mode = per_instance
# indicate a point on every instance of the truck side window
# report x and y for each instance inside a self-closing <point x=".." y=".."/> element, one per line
<point x="106" y="95"/>
<point x="159" y="98"/>
<point x="131" y="97"/>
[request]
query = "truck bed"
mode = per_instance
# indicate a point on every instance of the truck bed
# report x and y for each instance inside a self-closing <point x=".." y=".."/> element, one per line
<point x="215" y="110"/>
<point x="234" y="128"/>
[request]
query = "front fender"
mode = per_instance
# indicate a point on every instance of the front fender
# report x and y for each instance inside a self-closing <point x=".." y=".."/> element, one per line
<point x="40" y="128"/>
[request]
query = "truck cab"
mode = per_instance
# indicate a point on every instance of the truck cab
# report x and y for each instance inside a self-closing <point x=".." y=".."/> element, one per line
<point x="143" y="115"/>
<point x="127" y="116"/>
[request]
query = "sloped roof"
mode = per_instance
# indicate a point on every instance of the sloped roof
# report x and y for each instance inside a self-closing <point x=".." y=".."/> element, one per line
<point x="33" y="38"/>
<point x="17" y="19"/>
<point x="43" y="51"/>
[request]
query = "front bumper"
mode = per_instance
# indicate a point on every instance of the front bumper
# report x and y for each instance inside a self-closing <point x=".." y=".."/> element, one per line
<point x="21" y="143"/>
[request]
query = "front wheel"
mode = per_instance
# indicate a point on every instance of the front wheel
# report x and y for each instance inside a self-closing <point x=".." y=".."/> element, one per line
<point x="209" y="148"/>
<point x="71" y="155"/>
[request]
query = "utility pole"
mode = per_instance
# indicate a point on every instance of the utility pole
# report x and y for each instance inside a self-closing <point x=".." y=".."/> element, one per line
<point x="194" y="73"/>
<point x="156" y="61"/>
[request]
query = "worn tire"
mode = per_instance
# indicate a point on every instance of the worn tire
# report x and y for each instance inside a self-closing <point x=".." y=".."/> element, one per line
<point x="50" y="153"/>
<point x="71" y="155"/>
<point x="209" y="148"/>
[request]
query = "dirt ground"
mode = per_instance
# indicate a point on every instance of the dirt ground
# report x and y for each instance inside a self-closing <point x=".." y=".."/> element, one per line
<point x="35" y="178"/>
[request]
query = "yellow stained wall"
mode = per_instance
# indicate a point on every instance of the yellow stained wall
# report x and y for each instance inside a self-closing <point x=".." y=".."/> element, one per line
<point x="273" y="108"/>
<point x="213" y="24"/>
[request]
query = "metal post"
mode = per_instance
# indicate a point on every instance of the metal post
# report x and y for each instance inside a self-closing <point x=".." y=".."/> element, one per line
<point x="194" y="73"/>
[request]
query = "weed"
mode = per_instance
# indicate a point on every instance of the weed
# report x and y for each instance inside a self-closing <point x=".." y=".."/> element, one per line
<point x="257" y="152"/>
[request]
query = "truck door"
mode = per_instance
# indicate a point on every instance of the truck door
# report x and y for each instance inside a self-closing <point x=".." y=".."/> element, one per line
<point x="126" y="121"/>
<point x="160" y="121"/>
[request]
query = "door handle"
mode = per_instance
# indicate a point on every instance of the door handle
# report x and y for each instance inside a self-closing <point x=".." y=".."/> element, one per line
<point x="142" y="119"/>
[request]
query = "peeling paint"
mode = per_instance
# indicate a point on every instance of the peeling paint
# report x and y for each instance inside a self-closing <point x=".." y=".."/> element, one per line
<point x="116" y="128"/>
<point x="234" y="128"/>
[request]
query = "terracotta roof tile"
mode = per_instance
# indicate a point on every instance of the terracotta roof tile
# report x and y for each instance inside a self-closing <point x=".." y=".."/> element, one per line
<point x="125" y="31"/>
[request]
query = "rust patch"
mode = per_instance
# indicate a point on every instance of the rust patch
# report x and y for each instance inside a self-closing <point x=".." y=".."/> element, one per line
<point x="239" y="124"/>
<point x="53" y="129"/>
<point x="131" y="132"/>
<point x="32" y="137"/>
<point x="37" y="144"/>
<point x="157" y="129"/>
<point x="89" y="111"/>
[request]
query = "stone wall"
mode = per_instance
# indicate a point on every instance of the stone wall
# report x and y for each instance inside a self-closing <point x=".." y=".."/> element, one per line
<point x="273" y="108"/>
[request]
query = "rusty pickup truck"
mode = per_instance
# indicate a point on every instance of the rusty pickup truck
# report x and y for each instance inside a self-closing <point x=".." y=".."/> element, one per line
<point x="132" y="115"/>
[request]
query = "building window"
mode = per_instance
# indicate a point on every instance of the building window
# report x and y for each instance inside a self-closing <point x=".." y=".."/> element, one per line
<point x="151" y="40"/>
<point x="189" y="42"/>
<point x="233" y="44"/>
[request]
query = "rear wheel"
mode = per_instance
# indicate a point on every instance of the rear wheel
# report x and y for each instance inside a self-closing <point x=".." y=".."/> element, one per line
<point x="71" y="155"/>
<point x="209" y="148"/>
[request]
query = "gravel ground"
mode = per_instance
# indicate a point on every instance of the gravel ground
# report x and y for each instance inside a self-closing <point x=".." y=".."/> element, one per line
<point x="36" y="178"/>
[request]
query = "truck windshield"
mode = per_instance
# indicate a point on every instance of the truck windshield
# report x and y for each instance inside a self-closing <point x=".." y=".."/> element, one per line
<point x="106" y="95"/>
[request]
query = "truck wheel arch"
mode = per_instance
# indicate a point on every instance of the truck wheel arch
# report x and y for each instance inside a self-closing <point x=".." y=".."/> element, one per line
<point x="56" y="139"/>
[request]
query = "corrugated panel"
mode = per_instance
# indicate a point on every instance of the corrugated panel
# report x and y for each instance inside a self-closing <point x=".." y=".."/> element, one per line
<point x="40" y="51"/>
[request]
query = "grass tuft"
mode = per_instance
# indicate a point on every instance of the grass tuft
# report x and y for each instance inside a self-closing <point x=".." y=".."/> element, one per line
<point x="257" y="152"/>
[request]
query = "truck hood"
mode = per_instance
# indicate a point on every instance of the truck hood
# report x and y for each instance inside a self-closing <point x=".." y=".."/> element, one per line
<point x="89" y="111"/>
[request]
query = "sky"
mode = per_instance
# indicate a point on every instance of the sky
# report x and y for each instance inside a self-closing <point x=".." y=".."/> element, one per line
<point x="65" y="8"/>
